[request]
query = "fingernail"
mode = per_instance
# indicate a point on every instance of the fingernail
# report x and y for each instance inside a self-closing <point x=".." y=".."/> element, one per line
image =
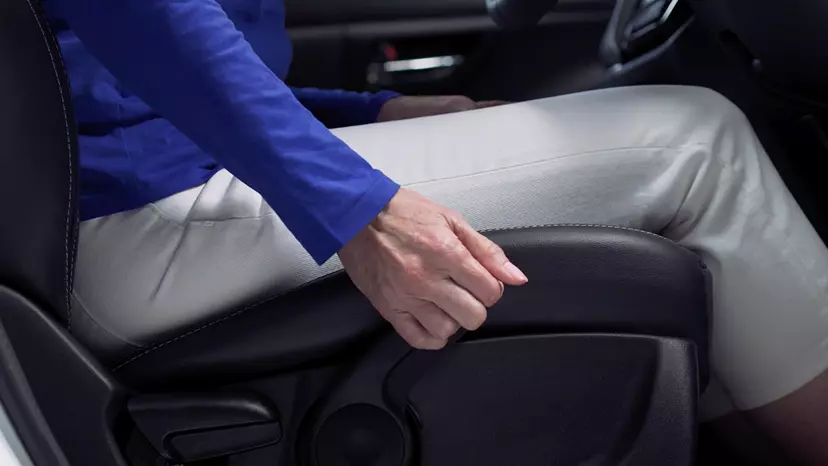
<point x="516" y="273"/>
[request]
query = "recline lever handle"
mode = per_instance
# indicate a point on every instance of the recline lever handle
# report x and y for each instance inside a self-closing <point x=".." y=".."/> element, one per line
<point x="197" y="426"/>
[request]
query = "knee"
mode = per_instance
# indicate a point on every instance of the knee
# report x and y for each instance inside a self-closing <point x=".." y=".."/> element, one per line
<point x="710" y="110"/>
<point x="707" y="101"/>
<point x="711" y="120"/>
<point x="682" y="115"/>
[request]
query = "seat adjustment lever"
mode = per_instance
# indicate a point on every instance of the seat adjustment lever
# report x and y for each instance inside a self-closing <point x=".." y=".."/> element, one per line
<point x="199" y="426"/>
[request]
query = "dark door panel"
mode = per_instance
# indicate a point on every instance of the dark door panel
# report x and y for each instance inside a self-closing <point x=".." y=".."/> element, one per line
<point x="316" y="12"/>
<point x="444" y="47"/>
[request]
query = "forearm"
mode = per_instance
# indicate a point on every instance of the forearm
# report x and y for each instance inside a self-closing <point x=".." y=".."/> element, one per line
<point x="187" y="61"/>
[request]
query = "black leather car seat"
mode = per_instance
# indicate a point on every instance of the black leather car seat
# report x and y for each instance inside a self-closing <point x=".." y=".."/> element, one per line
<point x="599" y="360"/>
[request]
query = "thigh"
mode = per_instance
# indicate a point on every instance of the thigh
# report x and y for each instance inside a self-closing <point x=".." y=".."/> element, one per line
<point x="617" y="156"/>
<point x="186" y="258"/>
<point x="599" y="157"/>
<point x="456" y="145"/>
<point x="613" y="156"/>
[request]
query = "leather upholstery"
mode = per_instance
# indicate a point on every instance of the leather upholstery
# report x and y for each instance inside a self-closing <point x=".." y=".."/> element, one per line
<point x="582" y="279"/>
<point x="38" y="156"/>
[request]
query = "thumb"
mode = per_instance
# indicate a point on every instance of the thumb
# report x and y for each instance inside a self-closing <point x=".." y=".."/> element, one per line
<point x="489" y="254"/>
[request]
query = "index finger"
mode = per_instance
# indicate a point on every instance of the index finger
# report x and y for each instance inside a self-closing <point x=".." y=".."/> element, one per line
<point x="470" y="274"/>
<point x="488" y="254"/>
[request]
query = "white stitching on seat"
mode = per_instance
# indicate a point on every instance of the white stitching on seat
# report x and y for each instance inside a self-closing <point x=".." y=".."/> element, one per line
<point x="73" y="229"/>
<point x="66" y="276"/>
<point x="579" y="225"/>
<point x="139" y="354"/>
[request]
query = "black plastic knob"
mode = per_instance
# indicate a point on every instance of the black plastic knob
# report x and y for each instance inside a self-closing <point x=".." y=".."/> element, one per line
<point x="360" y="435"/>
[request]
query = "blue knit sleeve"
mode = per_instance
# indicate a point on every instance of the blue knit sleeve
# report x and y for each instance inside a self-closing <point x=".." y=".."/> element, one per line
<point x="187" y="60"/>
<point x="338" y="108"/>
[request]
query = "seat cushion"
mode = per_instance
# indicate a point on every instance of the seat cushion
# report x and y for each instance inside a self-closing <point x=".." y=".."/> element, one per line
<point x="583" y="279"/>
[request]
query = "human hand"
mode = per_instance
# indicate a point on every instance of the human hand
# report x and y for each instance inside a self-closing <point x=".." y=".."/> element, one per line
<point x="402" y="108"/>
<point x="426" y="270"/>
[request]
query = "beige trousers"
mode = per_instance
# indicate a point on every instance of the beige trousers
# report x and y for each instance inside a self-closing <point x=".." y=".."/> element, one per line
<point x="680" y="161"/>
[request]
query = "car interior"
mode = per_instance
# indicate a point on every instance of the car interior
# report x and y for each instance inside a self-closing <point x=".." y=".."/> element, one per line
<point x="600" y="360"/>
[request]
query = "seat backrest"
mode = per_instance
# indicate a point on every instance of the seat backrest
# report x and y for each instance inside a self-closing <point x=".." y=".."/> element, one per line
<point x="38" y="161"/>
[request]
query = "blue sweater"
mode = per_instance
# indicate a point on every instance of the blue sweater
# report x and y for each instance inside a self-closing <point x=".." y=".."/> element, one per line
<point x="167" y="92"/>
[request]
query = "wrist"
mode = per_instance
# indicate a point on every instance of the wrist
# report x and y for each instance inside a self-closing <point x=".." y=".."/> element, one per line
<point x="380" y="102"/>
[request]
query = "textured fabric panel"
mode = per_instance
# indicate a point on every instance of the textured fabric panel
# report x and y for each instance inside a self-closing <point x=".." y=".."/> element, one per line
<point x="679" y="161"/>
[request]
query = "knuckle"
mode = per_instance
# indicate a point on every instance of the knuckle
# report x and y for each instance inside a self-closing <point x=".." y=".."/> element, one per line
<point x="495" y="293"/>
<point x="493" y="249"/>
<point x="439" y="244"/>
<point x="451" y="213"/>
<point x="427" y="342"/>
<point x="409" y="332"/>
<point x="417" y="273"/>
<point x="420" y="285"/>
<point x="490" y="300"/>
<point x="488" y="290"/>
<point x="446" y="328"/>
<point x="412" y="262"/>
<point x="450" y="246"/>
<point x="427" y="237"/>
<point x="477" y="318"/>
<point x="439" y="344"/>
<point x="418" y="341"/>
